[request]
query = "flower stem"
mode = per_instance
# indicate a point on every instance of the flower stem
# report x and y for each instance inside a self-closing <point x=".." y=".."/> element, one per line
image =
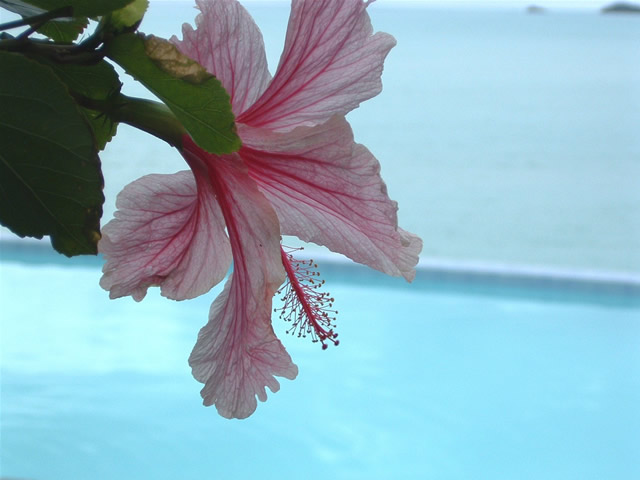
<point x="147" y="115"/>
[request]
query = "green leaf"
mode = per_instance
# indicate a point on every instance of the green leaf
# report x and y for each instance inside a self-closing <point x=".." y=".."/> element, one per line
<point x="97" y="82"/>
<point x="197" y="98"/>
<point x="104" y="129"/>
<point x="81" y="8"/>
<point x="129" y="15"/>
<point x="21" y="8"/>
<point x="50" y="177"/>
<point x="64" y="31"/>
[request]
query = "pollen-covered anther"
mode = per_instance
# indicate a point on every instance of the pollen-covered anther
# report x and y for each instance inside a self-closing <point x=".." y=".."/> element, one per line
<point x="309" y="310"/>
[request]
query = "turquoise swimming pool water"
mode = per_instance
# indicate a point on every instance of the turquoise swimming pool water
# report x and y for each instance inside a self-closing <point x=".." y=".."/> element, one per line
<point x="458" y="376"/>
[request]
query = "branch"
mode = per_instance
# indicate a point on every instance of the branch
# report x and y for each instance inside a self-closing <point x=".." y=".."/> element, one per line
<point x="40" y="19"/>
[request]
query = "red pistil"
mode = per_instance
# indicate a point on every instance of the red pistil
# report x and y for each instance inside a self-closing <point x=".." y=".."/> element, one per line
<point x="309" y="310"/>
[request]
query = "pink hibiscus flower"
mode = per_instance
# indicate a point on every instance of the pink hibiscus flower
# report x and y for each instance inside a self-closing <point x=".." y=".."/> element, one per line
<point x="299" y="172"/>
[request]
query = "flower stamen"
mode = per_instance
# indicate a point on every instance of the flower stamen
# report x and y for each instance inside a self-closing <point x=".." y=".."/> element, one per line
<point x="309" y="310"/>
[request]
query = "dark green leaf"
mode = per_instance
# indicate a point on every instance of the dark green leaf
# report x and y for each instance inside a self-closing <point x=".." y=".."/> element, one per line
<point x="97" y="82"/>
<point x="196" y="98"/>
<point x="68" y="29"/>
<point x="21" y="7"/>
<point x="81" y="8"/>
<point x="104" y="129"/>
<point x="50" y="177"/>
<point x="129" y="15"/>
<point x="64" y="31"/>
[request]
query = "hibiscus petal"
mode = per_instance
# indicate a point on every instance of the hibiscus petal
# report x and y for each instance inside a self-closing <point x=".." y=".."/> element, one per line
<point x="229" y="45"/>
<point x="237" y="353"/>
<point x="330" y="64"/>
<point x="327" y="189"/>
<point x="166" y="232"/>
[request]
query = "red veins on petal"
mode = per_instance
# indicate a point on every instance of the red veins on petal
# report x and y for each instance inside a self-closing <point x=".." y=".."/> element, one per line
<point x="331" y="63"/>
<point x="299" y="172"/>
<point x="168" y="233"/>
<point x="237" y="353"/>
<point x="328" y="190"/>
<point x="228" y="43"/>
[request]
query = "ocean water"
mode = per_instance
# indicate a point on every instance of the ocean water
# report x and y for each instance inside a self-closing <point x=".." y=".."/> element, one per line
<point x="505" y="137"/>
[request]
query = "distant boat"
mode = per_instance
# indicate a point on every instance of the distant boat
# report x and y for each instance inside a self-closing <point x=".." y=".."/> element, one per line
<point x="535" y="9"/>
<point x="621" y="7"/>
